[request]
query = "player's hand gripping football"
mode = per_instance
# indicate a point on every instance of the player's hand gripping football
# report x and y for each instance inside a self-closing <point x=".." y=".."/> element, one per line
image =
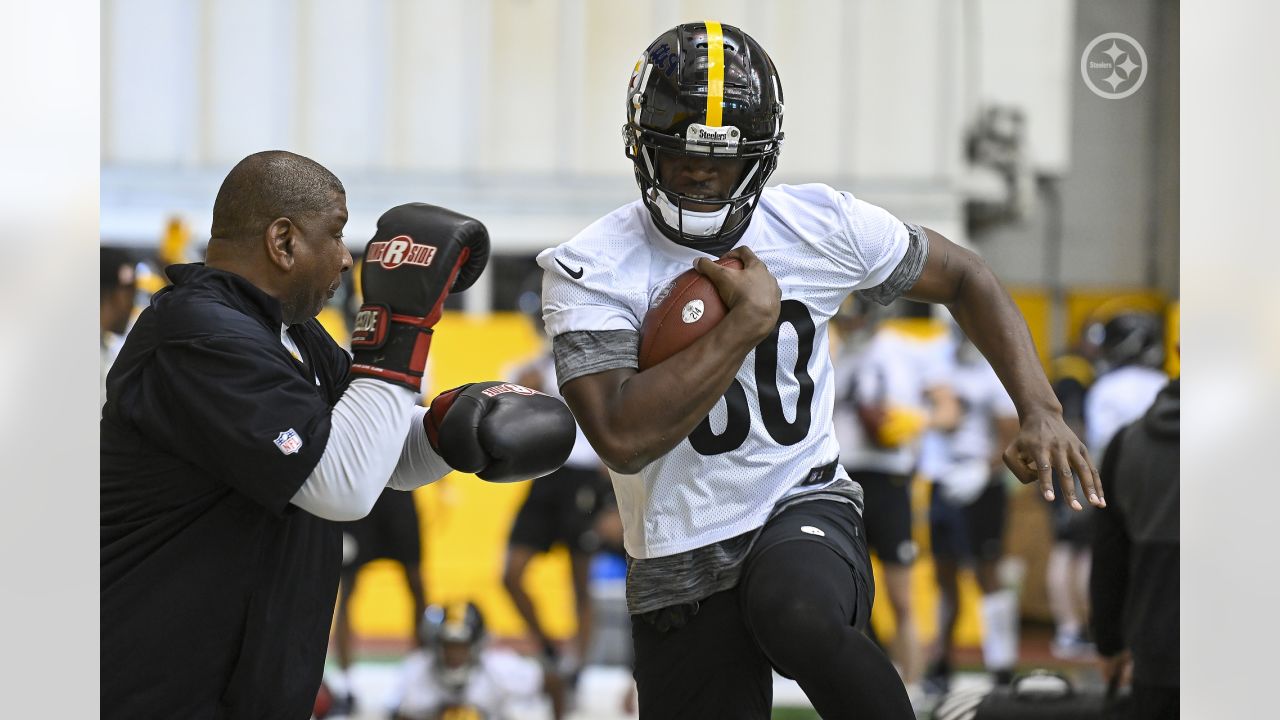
<point x="751" y="293"/>
<point x="419" y="255"/>
<point x="1044" y="444"/>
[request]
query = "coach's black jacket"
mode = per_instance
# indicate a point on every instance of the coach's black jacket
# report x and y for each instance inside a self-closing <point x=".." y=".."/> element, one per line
<point x="1134" y="585"/>
<point x="217" y="593"/>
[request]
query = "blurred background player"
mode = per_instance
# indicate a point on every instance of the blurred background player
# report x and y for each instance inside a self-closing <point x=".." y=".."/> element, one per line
<point x="115" y="308"/>
<point x="391" y="530"/>
<point x="1130" y="355"/>
<point x="1067" y="567"/>
<point x="456" y="675"/>
<point x="891" y="387"/>
<point x="967" y="517"/>
<point x="1134" y="586"/>
<point x="1129" y="350"/>
<point x="564" y="507"/>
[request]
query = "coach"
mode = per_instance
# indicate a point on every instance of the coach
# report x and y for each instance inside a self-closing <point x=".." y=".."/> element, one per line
<point x="236" y="431"/>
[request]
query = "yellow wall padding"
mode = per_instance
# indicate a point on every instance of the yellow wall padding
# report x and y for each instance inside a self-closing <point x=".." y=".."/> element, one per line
<point x="465" y="521"/>
<point x="1104" y="303"/>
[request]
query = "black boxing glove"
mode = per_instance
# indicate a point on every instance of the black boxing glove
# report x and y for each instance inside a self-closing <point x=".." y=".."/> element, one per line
<point x="502" y="432"/>
<point x="419" y="255"/>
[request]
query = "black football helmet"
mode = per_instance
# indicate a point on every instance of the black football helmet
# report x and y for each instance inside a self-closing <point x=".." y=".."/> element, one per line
<point x="457" y="623"/>
<point x="707" y="90"/>
<point x="1128" y="338"/>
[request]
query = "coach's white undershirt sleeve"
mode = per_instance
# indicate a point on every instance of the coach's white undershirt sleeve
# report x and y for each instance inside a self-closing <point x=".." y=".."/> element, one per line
<point x="419" y="464"/>
<point x="367" y="437"/>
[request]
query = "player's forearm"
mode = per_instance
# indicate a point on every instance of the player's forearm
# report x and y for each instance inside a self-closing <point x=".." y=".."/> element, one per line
<point x="366" y="439"/>
<point x="993" y="322"/>
<point x="653" y="411"/>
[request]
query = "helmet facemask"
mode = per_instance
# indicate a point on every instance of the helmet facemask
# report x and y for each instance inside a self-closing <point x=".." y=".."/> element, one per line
<point x="674" y="110"/>
<point x="700" y="228"/>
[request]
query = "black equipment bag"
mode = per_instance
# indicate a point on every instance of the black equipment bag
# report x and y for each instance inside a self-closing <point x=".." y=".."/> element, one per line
<point x="1038" y="695"/>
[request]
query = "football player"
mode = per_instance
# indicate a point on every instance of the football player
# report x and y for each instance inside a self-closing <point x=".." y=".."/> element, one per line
<point x="454" y="675"/>
<point x="1131" y="348"/>
<point x="1130" y="352"/>
<point x="745" y="536"/>
<point x="887" y="396"/>
<point x="967" y="516"/>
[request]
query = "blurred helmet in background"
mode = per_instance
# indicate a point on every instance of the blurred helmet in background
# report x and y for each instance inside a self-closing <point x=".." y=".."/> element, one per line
<point x="454" y="634"/>
<point x="529" y="300"/>
<point x="1127" y="338"/>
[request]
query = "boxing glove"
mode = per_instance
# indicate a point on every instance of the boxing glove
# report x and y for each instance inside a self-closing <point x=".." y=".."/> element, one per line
<point x="419" y="254"/>
<point x="502" y="432"/>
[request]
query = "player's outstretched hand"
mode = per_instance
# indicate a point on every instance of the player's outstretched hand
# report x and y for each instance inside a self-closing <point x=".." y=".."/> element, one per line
<point x="1044" y="444"/>
<point x="751" y="291"/>
<point x="502" y="432"/>
<point x="419" y="254"/>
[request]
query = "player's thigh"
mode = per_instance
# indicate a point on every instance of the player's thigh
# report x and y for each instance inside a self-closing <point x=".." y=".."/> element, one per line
<point x="887" y="514"/>
<point x="985" y="520"/>
<point x="806" y="536"/>
<point x="710" y="667"/>
<point x="400" y="534"/>
<point x="535" y="523"/>
<point x="948" y="528"/>
<point x="579" y="504"/>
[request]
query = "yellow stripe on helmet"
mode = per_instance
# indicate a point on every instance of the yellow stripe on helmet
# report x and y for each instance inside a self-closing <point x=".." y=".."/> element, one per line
<point x="455" y="613"/>
<point x="715" y="73"/>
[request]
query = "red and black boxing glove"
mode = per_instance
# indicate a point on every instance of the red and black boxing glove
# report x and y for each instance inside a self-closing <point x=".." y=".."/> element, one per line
<point x="502" y="432"/>
<point x="419" y="255"/>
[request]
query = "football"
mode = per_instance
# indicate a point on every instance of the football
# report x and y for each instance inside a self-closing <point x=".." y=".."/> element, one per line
<point x="682" y="312"/>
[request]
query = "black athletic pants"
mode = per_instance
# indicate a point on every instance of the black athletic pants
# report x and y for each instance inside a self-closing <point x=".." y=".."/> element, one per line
<point x="801" y="606"/>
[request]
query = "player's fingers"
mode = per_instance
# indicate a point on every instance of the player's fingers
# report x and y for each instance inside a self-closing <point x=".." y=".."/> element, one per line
<point x="1044" y="471"/>
<point x="714" y="272"/>
<point x="1089" y="477"/>
<point x="745" y="254"/>
<point x="721" y="278"/>
<point x="1067" y="477"/>
<point x="1018" y="466"/>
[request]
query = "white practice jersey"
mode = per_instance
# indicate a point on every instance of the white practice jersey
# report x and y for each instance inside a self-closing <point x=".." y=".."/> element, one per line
<point x="903" y="359"/>
<point x="983" y="400"/>
<point x="774" y="423"/>
<point x="501" y="680"/>
<point x="1116" y="399"/>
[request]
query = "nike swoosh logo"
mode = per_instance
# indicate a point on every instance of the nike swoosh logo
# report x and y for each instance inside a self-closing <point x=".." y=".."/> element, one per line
<point x="575" y="275"/>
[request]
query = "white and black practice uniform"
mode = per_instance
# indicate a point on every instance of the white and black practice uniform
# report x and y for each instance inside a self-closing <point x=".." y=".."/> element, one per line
<point x="689" y="517"/>
<point x="1116" y="399"/>
<point x="973" y="529"/>
<point x="904" y="359"/>
<point x="499" y="680"/>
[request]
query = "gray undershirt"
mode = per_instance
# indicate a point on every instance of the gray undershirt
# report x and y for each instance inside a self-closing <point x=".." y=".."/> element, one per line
<point x="685" y="578"/>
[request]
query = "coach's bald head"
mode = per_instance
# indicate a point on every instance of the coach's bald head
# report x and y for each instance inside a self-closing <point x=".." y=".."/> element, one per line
<point x="269" y="185"/>
<point x="277" y="221"/>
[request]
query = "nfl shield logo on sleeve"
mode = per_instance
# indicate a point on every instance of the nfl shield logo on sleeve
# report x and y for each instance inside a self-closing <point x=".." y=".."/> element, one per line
<point x="289" y="442"/>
